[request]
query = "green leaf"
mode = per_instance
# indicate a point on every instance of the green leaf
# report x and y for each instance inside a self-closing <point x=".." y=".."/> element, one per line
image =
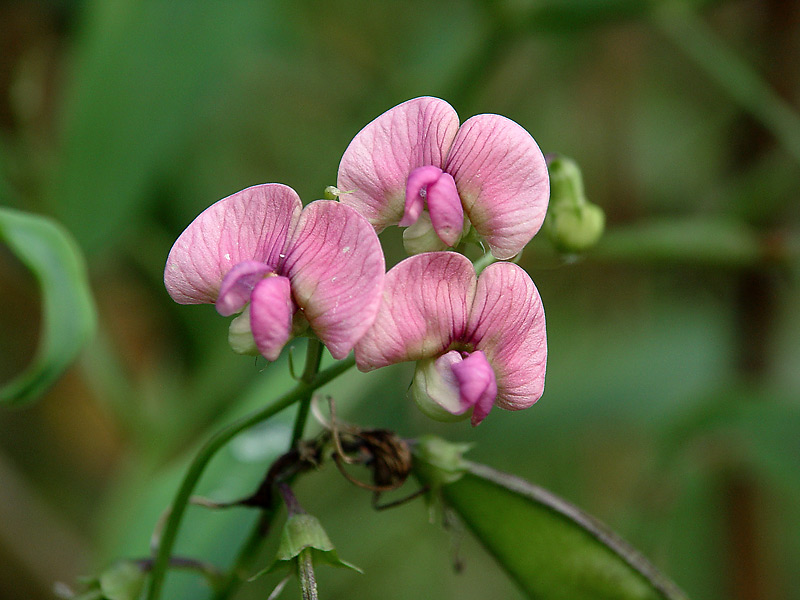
<point x="144" y="72"/>
<point x="549" y="547"/>
<point x="69" y="317"/>
<point x="123" y="581"/>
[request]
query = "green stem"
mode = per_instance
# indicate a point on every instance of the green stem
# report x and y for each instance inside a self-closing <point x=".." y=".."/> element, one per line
<point x="249" y="550"/>
<point x="733" y="74"/>
<point x="313" y="361"/>
<point x="305" y="573"/>
<point x="207" y="452"/>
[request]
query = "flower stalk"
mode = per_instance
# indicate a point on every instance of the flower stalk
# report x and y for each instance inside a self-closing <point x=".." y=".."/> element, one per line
<point x="207" y="452"/>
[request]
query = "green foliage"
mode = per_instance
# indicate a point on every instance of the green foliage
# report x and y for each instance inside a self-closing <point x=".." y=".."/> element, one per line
<point x="138" y="115"/>
<point x="68" y="315"/>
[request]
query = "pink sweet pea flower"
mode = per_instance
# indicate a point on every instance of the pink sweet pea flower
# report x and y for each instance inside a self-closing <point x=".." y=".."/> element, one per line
<point x="414" y="166"/>
<point x="286" y="266"/>
<point x="478" y="341"/>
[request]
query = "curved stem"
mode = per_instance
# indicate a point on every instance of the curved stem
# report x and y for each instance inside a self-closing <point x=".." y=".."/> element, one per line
<point x="207" y="452"/>
<point x="249" y="550"/>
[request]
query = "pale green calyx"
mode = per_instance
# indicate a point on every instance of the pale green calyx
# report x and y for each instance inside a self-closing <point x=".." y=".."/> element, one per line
<point x="240" y="336"/>
<point x="303" y="531"/>
<point x="573" y="224"/>
<point x="421" y="237"/>
<point x="439" y="462"/>
<point x="436" y="392"/>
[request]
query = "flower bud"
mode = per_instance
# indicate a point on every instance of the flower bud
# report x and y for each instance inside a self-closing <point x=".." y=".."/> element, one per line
<point x="331" y="193"/>
<point x="573" y="224"/>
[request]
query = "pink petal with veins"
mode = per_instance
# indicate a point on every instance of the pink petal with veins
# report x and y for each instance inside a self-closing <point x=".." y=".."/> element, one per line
<point x="336" y="267"/>
<point x="502" y="179"/>
<point x="426" y="299"/>
<point x="271" y="313"/>
<point x="253" y="224"/>
<point x="507" y="323"/>
<point x="376" y="165"/>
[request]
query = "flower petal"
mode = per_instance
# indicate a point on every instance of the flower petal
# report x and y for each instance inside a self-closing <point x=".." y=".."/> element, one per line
<point x="426" y="299"/>
<point x="374" y="168"/>
<point x="477" y="385"/>
<point x="444" y="206"/>
<point x="271" y="313"/>
<point x="336" y="266"/>
<point x="419" y="180"/>
<point x="253" y="224"/>
<point x="502" y="179"/>
<point x="238" y="284"/>
<point x="507" y="324"/>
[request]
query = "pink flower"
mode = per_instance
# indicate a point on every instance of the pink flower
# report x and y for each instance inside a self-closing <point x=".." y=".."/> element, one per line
<point x="414" y="165"/>
<point x="478" y="341"/>
<point x="321" y="266"/>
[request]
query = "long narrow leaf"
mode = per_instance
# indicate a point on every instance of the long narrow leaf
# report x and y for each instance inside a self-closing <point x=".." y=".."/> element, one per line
<point x="68" y="313"/>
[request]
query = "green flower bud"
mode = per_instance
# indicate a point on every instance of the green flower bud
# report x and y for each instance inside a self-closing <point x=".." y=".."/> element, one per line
<point x="573" y="224"/>
<point x="331" y="193"/>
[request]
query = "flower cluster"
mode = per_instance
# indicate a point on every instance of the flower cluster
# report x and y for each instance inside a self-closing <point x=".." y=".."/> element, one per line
<point x="479" y="341"/>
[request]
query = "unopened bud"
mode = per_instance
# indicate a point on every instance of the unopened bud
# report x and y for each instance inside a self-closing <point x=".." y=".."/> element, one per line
<point x="331" y="193"/>
<point x="573" y="224"/>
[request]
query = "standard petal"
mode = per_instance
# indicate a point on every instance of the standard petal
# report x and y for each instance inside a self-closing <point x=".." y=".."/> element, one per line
<point x="507" y="324"/>
<point x="374" y="168"/>
<point x="477" y="385"/>
<point x="253" y="224"/>
<point x="271" y="313"/>
<point x="336" y="267"/>
<point x="426" y="300"/>
<point x="502" y="179"/>
<point x="238" y="284"/>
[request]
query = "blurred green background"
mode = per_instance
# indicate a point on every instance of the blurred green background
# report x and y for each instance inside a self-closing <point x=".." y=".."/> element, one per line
<point x="671" y="409"/>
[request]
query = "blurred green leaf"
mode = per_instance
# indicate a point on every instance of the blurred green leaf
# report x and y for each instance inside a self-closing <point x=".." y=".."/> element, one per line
<point x="551" y="548"/>
<point x="142" y="75"/>
<point x="695" y="241"/>
<point x="569" y="15"/>
<point x="69" y="317"/>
